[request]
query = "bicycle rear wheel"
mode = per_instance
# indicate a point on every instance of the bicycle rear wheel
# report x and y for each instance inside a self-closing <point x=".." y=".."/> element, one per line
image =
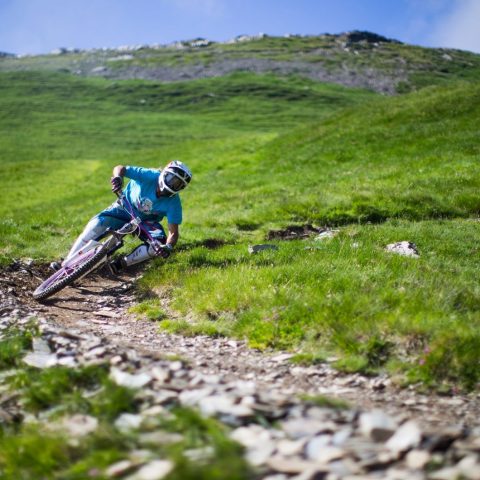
<point x="68" y="274"/>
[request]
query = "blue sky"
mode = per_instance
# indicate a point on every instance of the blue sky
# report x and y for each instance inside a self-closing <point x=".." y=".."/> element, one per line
<point x="39" y="26"/>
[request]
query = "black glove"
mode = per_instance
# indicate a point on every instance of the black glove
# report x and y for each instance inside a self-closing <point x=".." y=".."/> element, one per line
<point x="165" y="250"/>
<point x="117" y="183"/>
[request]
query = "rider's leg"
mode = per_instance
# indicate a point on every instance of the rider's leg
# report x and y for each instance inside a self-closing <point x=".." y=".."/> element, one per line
<point x="145" y="252"/>
<point x="112" y="217"/>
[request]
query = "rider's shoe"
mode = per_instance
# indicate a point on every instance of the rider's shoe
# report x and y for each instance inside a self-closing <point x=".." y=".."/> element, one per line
<point x="55" y="266"/>
<point x="117" y="265"/>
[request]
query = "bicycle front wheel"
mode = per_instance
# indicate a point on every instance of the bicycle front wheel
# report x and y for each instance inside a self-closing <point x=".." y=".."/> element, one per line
<point x="68" y="274"/>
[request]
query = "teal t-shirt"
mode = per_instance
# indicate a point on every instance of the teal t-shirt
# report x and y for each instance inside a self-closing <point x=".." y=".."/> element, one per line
<point x="141" y="192"/>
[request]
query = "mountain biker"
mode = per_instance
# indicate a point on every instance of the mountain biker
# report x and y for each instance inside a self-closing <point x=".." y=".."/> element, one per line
<point x="153" y="195"/>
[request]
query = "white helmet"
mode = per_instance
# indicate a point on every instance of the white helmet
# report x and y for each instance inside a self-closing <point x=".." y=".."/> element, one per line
<point x="174" y="177"/>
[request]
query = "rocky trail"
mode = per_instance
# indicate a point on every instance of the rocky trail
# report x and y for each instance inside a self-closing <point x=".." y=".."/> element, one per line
<point x="386" y="432"/>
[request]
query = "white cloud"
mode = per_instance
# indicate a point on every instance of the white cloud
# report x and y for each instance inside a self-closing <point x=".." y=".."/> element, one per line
<point x="460" y="28"/>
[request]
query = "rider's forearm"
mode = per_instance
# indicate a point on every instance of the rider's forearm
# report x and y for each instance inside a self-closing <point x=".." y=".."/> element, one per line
<point x="172" y="239"/>
<point x="119" y="171"/>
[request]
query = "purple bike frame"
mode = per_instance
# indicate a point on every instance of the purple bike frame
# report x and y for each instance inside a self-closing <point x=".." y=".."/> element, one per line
<point x="129" y="209"/>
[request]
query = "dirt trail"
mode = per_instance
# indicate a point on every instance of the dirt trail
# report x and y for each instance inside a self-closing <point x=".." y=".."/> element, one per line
<point x="99" y="305"/>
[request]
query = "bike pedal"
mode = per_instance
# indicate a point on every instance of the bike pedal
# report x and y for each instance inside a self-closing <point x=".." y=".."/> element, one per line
<point x="117" y="266"/>
<point x="55" y="266"/>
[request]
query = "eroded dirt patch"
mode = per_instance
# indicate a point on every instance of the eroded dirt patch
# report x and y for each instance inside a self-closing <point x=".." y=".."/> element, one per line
<point x="295" y="232"/>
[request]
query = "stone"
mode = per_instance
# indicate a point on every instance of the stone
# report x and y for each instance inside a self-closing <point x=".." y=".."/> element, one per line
<point x="119" y="469"/>
<point x="377" y="425"/>
<point x="67" y="362"/>
<point x="283" y="357"/>
<point x="322" y="453"/>
<point x="116" y="360"/>
<point x="417" y="459"/>
<point x="447" y="473"/>
<point x="40" y="346"/>
<point x="288" y="448"/>
<point x="341" y="436"/>
<point x="326" y="234"/>
<point x="215" y="404"/>
<point x="125" y="379"/>
<point x="316" y="444"/>
<point x="259" y="454"/>
<point x="251" y="436"/>
<point x="344" y="468"/>
<point x="252" y="249"/>
<point x="99" y="69"/>
<point x="106" y="312"/>
<point x="95" y="352"/>
<point x="79" y="425"/>
<point x="40" y="360"/>
<point x="469" y="467"/>
<point x="161" y="375"/>
<point x="128" y="421"/>
<point x="395" y="473"/>
<point x="175" y="366"/>
<point x="154" y="470"/>
<point x="154" y="410"/>
<point x="293" y="465"/>
<point x="306" y="427"/>
<point x="164" y="397"/>
<point x="190" y="398"/>
<point x="408" y="436"/>
<point x="405" y="248"/>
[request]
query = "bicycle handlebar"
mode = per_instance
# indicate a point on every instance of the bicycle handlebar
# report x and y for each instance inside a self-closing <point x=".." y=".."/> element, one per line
<point x="129" y="209"/>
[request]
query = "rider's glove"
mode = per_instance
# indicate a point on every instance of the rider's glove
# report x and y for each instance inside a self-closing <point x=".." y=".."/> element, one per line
<point x="117" y="183"/>
<point x="165" y="250"/>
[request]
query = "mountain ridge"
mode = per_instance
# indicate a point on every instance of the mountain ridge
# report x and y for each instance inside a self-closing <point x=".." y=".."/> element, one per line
<point x="354" y="59"/>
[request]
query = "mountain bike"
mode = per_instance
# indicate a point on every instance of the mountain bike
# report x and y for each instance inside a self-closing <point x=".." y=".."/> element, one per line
<point x="94" y="254"/>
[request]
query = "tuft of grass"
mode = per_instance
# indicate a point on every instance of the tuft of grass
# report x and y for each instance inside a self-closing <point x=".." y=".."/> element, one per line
<point x="14" y="344"/>
<point x="326" y="402"/>
<point x="64" y="388"/>
<point x="150" y="309"/>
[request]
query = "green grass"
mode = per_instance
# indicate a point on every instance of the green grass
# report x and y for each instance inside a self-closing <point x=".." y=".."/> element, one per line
<point x="151" y="309"/>
<point x="269" y="152"/>
<point x="14" y="343"/>
<point x="61" y="136"/>
<point x="346" y="296"/>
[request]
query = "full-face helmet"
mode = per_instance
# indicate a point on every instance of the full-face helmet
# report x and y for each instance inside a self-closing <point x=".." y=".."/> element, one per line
<point x="174" y="177"/>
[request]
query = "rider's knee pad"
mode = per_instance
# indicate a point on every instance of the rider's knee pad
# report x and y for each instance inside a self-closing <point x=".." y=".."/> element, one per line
<point x="140" y="254"/>
<point x="94" y="229"/>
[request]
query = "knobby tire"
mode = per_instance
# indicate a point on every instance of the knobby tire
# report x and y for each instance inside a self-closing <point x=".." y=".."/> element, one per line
<point x="63" y="282"/>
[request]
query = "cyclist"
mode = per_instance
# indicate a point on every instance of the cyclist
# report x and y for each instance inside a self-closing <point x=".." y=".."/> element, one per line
<point x="153" y="195"/>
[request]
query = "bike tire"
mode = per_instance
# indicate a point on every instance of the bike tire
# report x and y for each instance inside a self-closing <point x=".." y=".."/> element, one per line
<point x="43" y="291"/>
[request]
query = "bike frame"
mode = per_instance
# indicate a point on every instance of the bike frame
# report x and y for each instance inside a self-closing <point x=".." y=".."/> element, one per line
<point x="114" y="243"/>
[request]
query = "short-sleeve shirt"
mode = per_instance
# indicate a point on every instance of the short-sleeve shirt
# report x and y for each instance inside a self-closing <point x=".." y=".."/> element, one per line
<point x="141" y="192"/>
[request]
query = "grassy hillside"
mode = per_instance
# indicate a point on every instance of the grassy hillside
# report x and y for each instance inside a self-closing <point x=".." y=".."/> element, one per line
<point x="60" y="137"/>
<point x="388" y="170"/>
<point x="358" y="59"/>
<point x="268" y="152"/>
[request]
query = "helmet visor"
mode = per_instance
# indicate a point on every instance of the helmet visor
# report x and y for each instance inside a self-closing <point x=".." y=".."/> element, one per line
<point x="174" y="182"/>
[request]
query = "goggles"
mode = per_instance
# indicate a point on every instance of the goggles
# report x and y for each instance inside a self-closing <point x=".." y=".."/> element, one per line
<point x="174" y="181"/>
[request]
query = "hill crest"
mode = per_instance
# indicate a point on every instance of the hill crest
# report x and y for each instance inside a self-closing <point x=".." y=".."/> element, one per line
<point x="354" y="59"/>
